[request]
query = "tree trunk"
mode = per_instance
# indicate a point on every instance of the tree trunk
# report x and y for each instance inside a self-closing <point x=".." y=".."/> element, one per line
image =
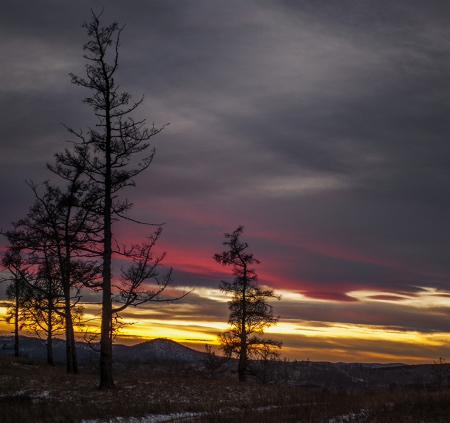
<point x="16" y="319"/>
<point x="106" y="365"/>
<point x="50" y="360"/>
<point x="71" y="351"/>
<point x="242" y="368"/>
<point x="106" y="370"/>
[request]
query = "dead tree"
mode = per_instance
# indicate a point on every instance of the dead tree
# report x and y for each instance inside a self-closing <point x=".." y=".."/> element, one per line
<point x="111" y="156"/>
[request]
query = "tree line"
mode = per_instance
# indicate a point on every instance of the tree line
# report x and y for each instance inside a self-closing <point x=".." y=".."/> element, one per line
<point x="66" y="244"/>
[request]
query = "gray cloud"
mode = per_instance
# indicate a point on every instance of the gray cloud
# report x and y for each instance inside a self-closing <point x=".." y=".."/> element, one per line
<point x="322" y="128"/>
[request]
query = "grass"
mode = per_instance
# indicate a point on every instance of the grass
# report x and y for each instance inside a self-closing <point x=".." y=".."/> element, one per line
<point x="31" y="391"/>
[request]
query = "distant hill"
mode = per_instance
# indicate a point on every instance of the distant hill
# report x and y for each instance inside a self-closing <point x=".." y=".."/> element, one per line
<point x="33" y="348"/>
<point x="160" y="349"/>
<point x="155" y="350"/>
<point x="163" y="356"/>
<point x="370" y="365"/>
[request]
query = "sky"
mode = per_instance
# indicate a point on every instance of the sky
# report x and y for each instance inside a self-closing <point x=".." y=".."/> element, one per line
<point x="321" y="127"/>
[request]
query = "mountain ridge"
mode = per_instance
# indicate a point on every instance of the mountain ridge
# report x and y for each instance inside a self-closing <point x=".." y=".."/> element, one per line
<point x="158" y="349"/>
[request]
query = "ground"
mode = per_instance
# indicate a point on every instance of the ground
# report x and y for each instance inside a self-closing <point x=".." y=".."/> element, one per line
<point x="31" y="391"/>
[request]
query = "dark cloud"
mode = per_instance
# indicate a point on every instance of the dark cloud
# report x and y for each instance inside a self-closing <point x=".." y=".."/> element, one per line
<point x="323" y="129"/>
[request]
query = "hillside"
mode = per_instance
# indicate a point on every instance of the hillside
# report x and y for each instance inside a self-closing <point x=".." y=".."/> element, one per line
<point x="156" y="350"/>
<point x="31" y="391"/>
<point x="160" y="349"/>
<point x="164" y="356"/>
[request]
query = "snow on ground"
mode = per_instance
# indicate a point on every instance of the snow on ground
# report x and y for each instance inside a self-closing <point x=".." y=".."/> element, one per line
<point x="155" y="418"/>
<point x="351" y="417"/>
<point x="189" y="416"/>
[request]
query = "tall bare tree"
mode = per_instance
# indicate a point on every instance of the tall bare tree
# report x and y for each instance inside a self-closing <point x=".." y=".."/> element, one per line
<point x="111" y="155"/>
<point x="250" y="313"/>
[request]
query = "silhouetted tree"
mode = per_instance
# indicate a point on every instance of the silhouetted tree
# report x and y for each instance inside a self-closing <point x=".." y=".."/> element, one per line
<point x="250" y="312"/>
<point x="108" y="156"/>
<point x="212" y="362"/>
<point x="265" y="363"/>
<point x="35" y="296"/>
<point x="440" y="370"/>
<point x="43" y="305"/>
<point x="15" y="292"/>
<point x="53" y="239"/>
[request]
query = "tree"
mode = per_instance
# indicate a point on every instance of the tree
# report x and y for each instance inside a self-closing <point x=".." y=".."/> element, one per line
<point x="12" y="260"/>
<point x="211" y="362"/>
<point x="250" y="313"/>
<point x="266" y="361"/>
<point x="52" y="239"/>
<point x="36" y="295"/>
<point x="107" y="156"/>
<point x="440" y="370"/>
<point x="40" y="306"/>
<point x="43" y="309"/>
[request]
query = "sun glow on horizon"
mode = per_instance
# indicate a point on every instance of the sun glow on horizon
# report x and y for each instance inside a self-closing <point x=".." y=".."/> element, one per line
<point x="188" y="324"/>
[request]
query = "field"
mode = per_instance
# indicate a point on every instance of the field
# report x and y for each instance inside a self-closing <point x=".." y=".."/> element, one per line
<point x="31" y="391"/>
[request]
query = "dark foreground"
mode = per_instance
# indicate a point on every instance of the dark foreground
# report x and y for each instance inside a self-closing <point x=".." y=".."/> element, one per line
<point x="30" y="391"/>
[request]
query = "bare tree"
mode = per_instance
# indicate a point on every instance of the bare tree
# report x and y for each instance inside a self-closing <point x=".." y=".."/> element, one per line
<point x="250" y="313"/>
<point x="440" y="370"/>
<point x="265" y="363"/>
<point x="213" y="362"/>
<point x="36" y="296"/>
<point x="109" y="158"/>
<point x="52" y="239"/>
<point x="15" y="292"/>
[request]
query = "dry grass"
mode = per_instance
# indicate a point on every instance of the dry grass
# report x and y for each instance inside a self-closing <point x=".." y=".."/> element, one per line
<point x="30" y="391"/>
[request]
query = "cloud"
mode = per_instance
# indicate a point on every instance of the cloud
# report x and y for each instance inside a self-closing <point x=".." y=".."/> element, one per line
<point x="322" y="129"/>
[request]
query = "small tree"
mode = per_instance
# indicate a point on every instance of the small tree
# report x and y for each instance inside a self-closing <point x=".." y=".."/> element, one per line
<point x="440" y="370"/>
<point x="250" y="313"/>
<point x="266" y="360"/>
<point x="36" y="291"/>
<point x="212" y="362"/>
<point x="40" y="306"/>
